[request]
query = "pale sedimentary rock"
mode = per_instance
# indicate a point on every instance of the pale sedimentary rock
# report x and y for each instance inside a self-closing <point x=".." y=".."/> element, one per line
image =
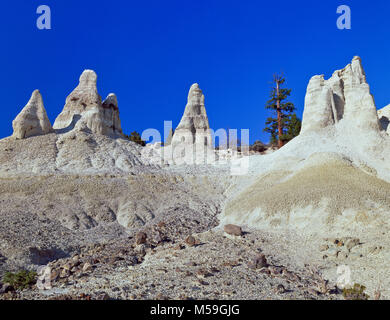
<point x="32" y="120"/>
<point x="192" y="141"/>
<point x="384" y="118"/>
<point x="169" y="138"/>
<point x="111" y="120"/>
<point x="84" y="109"/>
<point x="194" y="125"/>
<point x="344" y="98"/>
<point x="318" y="106"/>
<point x="83" y="98"/>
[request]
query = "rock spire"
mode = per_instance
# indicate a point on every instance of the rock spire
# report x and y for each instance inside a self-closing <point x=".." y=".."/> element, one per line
<point x="32" y="120"/>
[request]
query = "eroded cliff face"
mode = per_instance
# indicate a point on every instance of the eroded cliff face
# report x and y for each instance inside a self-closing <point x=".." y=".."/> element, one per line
<point x="342" y="101"/>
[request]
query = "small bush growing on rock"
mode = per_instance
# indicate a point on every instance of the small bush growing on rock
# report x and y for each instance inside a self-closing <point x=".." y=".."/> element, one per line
<point x="22" y="279"/>
<point x="136" y="137"/>
<point x="355" y="293"/>
<point x="258" y="146"/>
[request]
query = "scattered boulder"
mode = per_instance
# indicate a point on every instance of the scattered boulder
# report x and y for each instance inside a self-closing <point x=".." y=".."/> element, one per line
<point x="280" y="289"/>
<point x="233" y="230"/>
<point x="140" y="238"/>
<point x="157" y="237"/>
<point x="260" y="261"/>
<point x="64" y="273"/>
<point x="32" y="120"/>
<point x="54" y="275"/>
<point x="384" y="118"/>
<point x="191" y="241"/>
<point x="141" y="249"/>
<point x="87" y="267"/>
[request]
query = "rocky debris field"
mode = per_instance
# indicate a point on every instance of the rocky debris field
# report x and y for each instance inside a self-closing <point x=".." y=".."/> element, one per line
<point x="208" y="265"/>
<point x="49" y="217"/>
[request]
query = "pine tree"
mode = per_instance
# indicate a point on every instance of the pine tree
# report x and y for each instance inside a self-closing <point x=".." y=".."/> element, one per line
<point x="293" y="128"/>
<point x="278" y="124"/>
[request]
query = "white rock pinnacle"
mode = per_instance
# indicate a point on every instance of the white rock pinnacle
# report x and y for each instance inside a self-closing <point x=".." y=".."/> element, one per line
<point x="344" y="98"/>
<point x="32" y="120"/>
<point x="84" y="109"/>
<point x="194" y="125"/>
<point x="84" y="98"/>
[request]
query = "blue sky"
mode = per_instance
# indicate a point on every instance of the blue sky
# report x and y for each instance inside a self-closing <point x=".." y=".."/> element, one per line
<point x="150" y="52"/>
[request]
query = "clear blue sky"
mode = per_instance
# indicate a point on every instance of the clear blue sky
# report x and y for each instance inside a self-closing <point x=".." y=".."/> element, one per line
<point x="150" y="52"/>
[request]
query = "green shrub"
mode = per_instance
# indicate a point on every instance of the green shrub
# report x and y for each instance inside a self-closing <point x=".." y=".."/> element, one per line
<point x="136" y="137"/>
<point x="355" y="293"/>
<point x="20" y="280"/>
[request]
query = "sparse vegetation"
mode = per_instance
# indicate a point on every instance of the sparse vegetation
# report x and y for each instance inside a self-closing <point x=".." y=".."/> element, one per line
<point x="136" y="137"/>
<point x="284" y="124"/>
<point x="355" y="293"/>
<point x="22" y="279"/>
<point x="258" y="146"/>
<point x="294" y="125"/>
